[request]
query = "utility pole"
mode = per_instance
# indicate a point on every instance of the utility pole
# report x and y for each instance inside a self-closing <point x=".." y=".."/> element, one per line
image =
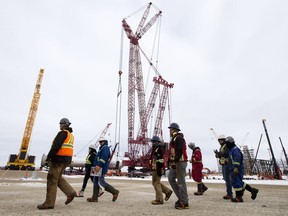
<point x="276" y="168"/>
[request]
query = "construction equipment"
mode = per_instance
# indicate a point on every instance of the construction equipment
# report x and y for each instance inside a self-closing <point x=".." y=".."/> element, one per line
<point x="23" y="160"/>
<point x="277" y="172"/>
<point x="139" y="146"/>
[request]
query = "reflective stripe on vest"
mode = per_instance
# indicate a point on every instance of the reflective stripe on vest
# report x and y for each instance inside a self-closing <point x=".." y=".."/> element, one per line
<point x="87" y="159"/>
<point x="155" y="161"/>
<point x="67" y="146"/>
<point x="172" y="151"/>
<point x="223" y="160"/>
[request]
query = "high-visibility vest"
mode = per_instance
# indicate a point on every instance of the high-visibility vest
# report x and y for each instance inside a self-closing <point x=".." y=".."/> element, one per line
<point x="223" y="160"/>
<point x="154" y="160"/>
<point x="172" y="153"/>
<point x="67" y="146"/>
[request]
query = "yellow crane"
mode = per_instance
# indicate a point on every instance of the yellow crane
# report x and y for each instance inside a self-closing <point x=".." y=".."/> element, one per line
<point x="23" y="160"/>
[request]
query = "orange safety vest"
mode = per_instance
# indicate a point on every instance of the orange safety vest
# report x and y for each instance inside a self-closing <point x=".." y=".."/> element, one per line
<point x="67" y="146"/>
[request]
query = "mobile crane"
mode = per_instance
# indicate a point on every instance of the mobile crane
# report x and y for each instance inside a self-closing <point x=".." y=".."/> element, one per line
<point x="23" y="160"/>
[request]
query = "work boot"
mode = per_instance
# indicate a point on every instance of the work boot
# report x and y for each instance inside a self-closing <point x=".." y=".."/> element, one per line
<point x="237" y="199"/>
<point x="70" y="198"/>
<point x="80" y="193"/>
<point x="254" y="192"/>
<point x="44" y="207"/>
<point x="180" y="205"/>
<point x="101" y="192"/>
<point x="156" y="202"/>
<point x="113" y="191"/>
<point x="204" y="188"/>
<point x="95" y="195"/>
<point x="168" y="195"/>
<point x="227" y="197"/>
<point x="199" y="192"/>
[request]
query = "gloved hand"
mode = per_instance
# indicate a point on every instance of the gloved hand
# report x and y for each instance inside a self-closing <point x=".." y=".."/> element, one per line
<point x="159" y="172"/>
<point x="97" y="168"/>
<point x="216" y="153"/>
<point x="236" y="171"/>
<point x="47" y="161"/>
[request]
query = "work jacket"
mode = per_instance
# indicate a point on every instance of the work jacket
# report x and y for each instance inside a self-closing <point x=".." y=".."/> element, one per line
<point x="157" y="157"/>
<point x="102" y="158"/>
<point x="177" y="148"/>
<point x="66" y="138"/>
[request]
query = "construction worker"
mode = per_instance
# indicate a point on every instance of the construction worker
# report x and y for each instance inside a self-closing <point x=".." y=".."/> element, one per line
<point x="88" y="164"/>
<point x="58" y="158"/>
<point x="157" y="166"/>
<point x="197" y="167"/>
<point x="222" y="155"/>
<point x="236" y="167"/>
<point x="101" y="164"/>
<point x="177" y="164"/>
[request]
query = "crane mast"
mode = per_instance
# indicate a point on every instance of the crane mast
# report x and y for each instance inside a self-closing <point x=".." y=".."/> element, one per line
<point x="23" y="160"/>
<point x="138" y="147"/>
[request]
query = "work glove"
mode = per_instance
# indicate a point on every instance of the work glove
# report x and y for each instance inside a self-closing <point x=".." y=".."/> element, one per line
<point x="47" y="161"/>
<point x="217" y="153"/>
<point x="235" y="171"/>
<point x="159" y="172"/>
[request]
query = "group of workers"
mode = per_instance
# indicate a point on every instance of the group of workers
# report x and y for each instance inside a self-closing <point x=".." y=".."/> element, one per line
<point x="97" y="163"/>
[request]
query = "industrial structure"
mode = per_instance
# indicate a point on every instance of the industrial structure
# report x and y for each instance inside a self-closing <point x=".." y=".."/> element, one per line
<point x="264" y="168"/>
<point x="23" y="160"/>
<point x="138" y="137"/>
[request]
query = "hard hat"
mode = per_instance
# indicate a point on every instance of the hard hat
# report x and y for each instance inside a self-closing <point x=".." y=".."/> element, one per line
<point x="155" y="139"/>
<point x="191" y="145"/>
<point x="65" y="121"/>
<point x="230" y="139"/>
<point x="92" y="146"/>
<point x="175" y="126"/>
<point x="221" y="137"/>
<point x="102" y="139"/>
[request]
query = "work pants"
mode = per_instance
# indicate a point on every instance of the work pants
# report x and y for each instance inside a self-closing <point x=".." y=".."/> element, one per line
<point x="87" y="176"/>
<point x="177" y="181"/>
<point x="227" y="179"/>
<point x="158" y="186"/>
<point x="54" y="180"/>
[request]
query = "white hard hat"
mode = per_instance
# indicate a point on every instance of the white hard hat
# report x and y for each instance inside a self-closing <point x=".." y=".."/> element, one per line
<point x="92" y="146"/>
<point x="221" y="137"/>
<point x="102" y="139"/>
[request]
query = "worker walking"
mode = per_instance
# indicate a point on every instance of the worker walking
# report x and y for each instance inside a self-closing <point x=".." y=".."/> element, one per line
<point x="197" y="167"/>
<point x="177" y="164"/>
<point x="88" y="164"/>
<point x="58" y="158"/>
<point x="101" y="164"/>
<point x="222" y="156"/>
<point x="236" y="167"/>
<point x="157" y="166"/>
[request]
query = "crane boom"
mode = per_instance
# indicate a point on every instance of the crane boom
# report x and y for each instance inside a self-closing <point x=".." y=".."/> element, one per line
<point x="23" y="160"/>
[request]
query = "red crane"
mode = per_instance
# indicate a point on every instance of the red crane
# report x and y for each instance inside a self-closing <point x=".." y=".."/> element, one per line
<point x="138" y="147"/>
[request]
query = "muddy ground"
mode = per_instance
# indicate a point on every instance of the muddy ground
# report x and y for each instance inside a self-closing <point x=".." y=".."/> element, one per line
<point x="20" y="197"/>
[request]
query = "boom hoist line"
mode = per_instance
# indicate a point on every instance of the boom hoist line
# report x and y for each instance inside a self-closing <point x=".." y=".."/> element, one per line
<point x="23" y="160"/>
<point x="138" y="146"/>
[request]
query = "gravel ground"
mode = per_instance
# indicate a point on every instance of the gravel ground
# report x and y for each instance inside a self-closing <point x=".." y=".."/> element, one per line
<point x="20" y="197"/>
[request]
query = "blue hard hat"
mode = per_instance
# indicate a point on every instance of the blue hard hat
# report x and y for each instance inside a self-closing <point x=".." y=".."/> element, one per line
<point x="175" y="126"/>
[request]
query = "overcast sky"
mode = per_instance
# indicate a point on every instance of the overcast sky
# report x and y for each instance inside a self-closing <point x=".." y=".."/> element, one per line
<point x="227" y="60"/>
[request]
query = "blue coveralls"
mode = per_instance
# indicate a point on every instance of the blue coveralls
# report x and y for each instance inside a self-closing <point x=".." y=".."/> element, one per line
<point x="236" y="161"/>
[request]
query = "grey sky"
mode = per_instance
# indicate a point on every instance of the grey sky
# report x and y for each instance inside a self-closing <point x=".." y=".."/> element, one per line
<point x="227" y="59"/>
